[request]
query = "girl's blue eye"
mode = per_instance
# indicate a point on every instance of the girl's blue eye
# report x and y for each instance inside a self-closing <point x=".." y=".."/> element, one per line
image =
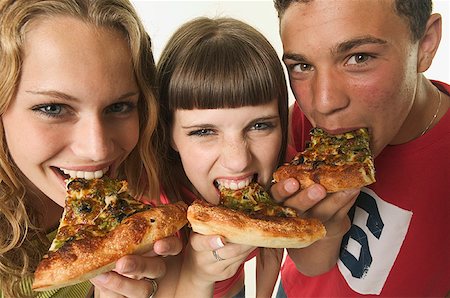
<point x="201" y="132"/>
<point x="121" y="107"/>
<point x="262" y="126"/>
<point x="50" y="110"/>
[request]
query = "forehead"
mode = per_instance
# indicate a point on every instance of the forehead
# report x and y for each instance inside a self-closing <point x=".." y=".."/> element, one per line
<point x="78" y="58"/>
<point x="322" y="22"/>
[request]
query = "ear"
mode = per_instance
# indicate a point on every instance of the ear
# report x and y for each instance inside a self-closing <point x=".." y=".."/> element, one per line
<point x="429" y="43"/>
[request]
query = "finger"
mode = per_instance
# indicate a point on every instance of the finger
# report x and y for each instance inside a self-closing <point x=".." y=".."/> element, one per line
<point x="284" y="189"/>
<point x="335" y="204"/>
<point x="351" y="195"/>
<point x="169" y="246"/>
<point x="232" y="252"/>
<point x="307" y="198"/>
<point x="116" y="285"/>
<point x="201" y="242"/>
<point x="141" y="266"/>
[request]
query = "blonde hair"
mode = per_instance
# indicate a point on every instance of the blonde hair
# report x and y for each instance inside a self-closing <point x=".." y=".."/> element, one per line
<point x="22" y="243"/>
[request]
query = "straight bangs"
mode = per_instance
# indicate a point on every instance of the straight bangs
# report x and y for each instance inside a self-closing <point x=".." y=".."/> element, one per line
<point x="222" y="74"/>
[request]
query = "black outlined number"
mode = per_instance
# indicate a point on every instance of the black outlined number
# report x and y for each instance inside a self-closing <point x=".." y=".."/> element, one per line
<point x="359" y="266"/>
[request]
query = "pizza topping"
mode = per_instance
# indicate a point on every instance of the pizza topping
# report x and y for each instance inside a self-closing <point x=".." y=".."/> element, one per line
<point x="337" y="162"/>
<point x="254" y="201"/>
<point x="94" y="208"/>
<point x="335" y="149"/>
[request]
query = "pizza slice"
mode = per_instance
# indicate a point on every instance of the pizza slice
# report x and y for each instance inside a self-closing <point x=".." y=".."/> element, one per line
<point x="101" y="223"/>
<point x="250" y="216"/>
<point x="337" y="162"/>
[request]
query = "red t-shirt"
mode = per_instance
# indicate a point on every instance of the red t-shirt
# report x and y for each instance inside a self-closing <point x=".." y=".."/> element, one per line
<point x="398" y="244"/>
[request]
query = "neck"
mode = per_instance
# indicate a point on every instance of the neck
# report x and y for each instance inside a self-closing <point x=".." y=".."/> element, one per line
<point x="425" y="112"/>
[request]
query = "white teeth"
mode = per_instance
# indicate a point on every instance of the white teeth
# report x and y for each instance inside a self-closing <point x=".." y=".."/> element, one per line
<point x="89" y="175"/>
<point x="84" y="174"/>
<point x="233" y="184"/>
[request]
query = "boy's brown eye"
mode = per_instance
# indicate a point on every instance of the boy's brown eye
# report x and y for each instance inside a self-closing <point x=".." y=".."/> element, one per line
<point x="304" y="67"/>
<point x="360" y="58"/>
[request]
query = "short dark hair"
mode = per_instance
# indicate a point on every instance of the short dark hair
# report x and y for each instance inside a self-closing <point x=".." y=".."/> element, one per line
<point x="415" y="12"/>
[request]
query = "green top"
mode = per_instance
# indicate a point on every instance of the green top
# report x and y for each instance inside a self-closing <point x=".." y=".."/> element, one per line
<point x="80" y="290"/>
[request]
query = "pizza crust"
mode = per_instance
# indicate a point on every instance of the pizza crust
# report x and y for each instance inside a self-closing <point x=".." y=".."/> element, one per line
<point x="333" y="178"/>
<point x="83" y="259"/>
<point x="238" y="227"/>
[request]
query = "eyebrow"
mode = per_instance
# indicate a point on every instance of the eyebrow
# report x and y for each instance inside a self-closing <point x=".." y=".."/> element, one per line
<point x="341" y="47"/>
<point x="356" y="42"/>
<point x="67" y="97"/>
<point x="55" y="94"/>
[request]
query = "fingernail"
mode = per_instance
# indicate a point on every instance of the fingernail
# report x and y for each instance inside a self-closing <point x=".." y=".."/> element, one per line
<point x="126" y="267"/>
<point x="291" y="186"/>
<point x="217" y="243"/>
<point x="315" y="193"/>
<point x="101" y="279"/>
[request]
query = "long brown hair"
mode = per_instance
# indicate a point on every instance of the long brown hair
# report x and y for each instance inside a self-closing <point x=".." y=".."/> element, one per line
<point x="22" y="242"/>
<point x="216" y="63"/>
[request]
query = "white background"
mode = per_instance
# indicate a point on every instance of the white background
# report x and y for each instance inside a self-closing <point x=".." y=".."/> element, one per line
<point x="162" y="18"/>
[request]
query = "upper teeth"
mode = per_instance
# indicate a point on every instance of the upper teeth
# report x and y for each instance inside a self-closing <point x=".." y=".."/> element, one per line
<point x="233" y="184"/>
<point x="85" y="175"/>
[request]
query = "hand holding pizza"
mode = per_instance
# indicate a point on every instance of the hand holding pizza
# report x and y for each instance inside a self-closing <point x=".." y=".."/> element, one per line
<point x="207" y="260"/>
<point x="132" y="274"/>
<point x="314" y="202"/>
<point x="323" y="182"/>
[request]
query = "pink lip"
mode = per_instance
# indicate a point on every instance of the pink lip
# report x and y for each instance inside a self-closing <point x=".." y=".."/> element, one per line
<point x="337" y="131"/>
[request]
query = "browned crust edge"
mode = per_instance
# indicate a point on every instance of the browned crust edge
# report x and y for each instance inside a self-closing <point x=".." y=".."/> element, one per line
<point x="333" y="178"/>
<point x="78" y="261"/>
<point x="238" y="227"/>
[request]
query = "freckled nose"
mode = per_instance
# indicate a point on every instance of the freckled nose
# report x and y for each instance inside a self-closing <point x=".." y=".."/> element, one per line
<point x="235" y="155"/>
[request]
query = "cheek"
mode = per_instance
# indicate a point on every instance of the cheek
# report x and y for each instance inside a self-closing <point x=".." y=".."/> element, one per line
<point x="384" y="96"/>
<point x="299" y="89"/>
<point x="29" y="143"/>
<point x="267" y="153"/>
<point x="127" y="135"/>
<point x="195" y="161"/>
<point x="134" y="138"/>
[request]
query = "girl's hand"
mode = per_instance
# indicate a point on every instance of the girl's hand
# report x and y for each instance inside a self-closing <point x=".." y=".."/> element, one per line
<point x="209" y="259"/>
<point x="133" y="274"/>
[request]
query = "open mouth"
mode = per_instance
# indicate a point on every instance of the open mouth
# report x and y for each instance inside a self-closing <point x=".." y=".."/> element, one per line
<point x="234" y="184"/>
<point x="81" y="174"/>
